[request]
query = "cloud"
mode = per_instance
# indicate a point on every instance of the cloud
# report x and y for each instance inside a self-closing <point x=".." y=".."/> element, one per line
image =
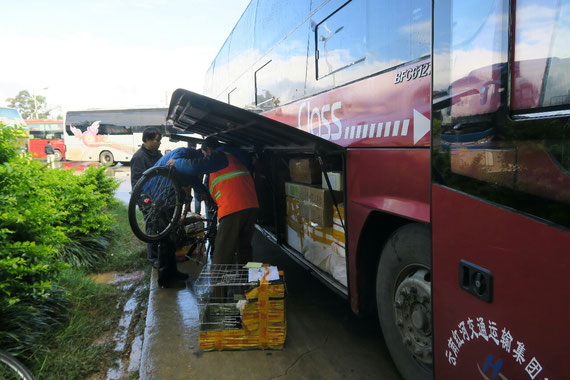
<point x="85" y="71"/>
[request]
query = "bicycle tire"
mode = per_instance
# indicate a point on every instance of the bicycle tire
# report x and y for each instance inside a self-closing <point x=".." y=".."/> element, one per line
<point x="156" y="204"/>
<point x="16" y="369"/>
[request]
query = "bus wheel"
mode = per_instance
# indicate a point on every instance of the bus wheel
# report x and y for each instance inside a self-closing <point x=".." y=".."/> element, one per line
<point x="106" y="157"/>
<point x="58" y="155"/>
<point x="403" y="297"/>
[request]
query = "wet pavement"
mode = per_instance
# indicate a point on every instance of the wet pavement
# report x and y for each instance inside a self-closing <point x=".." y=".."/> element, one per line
<point x="325" y="340"/>
<point x="123" y="174"/>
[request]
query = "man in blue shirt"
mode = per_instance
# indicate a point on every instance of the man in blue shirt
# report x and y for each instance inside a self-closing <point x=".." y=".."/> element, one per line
<point x="167" y="270"/>
<point x="232" y="188"/>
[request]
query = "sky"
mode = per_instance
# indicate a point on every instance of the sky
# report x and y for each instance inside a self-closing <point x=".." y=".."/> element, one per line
<point x="83" y="54"/>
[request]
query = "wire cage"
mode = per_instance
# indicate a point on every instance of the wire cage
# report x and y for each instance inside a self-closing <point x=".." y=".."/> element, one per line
<point x="241" y="308"/>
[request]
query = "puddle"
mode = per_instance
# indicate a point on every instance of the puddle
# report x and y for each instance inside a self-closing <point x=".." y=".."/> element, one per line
<point x="117" y="277"/>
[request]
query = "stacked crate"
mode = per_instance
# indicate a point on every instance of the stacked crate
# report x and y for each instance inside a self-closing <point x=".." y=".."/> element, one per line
<point x="238" y="314"/>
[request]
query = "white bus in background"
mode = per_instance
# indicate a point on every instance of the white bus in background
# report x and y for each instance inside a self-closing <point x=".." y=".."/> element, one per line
<point x="111" y="136"/>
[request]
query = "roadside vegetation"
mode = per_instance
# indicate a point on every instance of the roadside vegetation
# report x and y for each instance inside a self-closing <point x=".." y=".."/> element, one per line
<point x="57" y="228"/>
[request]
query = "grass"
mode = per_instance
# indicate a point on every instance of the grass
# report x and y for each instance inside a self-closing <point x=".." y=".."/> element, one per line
<point x="70" y="351"/>
<point x="125" y="252"/>
<point x="83" y="345"/>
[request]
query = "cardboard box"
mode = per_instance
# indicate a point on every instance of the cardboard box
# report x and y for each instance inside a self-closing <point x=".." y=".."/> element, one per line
<point x="336" y="181"/>
<point x="322" y="216"/>
<point x="312" y="203"/>
<point x="322" y="197"/>
<point x="335" y="214"/>
<point x="292" y="190"/>
<point x="293" y="208"/>
<point x="305" y="170"/>
<point x="297" y="190"/>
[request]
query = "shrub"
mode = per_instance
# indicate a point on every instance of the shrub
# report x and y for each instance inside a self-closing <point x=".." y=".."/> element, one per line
<point x="11" y="139"/>
<point x="49" y="219"/>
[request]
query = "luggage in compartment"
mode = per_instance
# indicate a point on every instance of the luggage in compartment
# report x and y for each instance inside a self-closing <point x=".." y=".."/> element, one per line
<point x="335" y="179"/>
<point x="305" y="170"/>
<point x="322" y="246"/>
<point x="317" y="204"/>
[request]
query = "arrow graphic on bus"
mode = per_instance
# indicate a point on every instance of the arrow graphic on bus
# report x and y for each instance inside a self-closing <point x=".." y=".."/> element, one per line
<point x="421" y="126"/>
<point x="390" y="129"/>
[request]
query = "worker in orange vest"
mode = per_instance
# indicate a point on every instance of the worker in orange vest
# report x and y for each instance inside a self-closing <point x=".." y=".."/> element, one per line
<point x="232" y="188"/>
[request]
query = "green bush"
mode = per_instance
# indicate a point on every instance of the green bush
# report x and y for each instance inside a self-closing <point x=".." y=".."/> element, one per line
<point x="11" y="140"/>
<point x="49" y="219"/>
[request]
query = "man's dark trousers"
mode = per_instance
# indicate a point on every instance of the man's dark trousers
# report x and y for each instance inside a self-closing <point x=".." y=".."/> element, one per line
<point x="166" y="260"/>
<point x="234" y="234"/>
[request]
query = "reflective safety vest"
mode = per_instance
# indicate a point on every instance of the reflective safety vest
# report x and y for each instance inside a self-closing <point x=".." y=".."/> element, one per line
<point x="232" y="188"/>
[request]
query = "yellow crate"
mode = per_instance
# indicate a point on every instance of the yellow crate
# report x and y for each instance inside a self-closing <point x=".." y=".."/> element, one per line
<point x="263" y="321"/>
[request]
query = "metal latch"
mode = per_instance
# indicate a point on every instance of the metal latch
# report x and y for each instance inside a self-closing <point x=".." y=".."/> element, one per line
<point x="476" y="280"/>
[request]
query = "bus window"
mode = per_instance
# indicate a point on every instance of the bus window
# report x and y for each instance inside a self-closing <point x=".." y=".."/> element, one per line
<point x="541" y="79"/>
<point x="520" y="162"/>
<point x="340" y="41"/>
<point x="274" y="20"/>
<point x="264" y="98"/>
<point x="386" y="35"/>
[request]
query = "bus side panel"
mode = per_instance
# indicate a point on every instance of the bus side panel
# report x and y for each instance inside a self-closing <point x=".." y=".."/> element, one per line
<point x="394" y="181"/>
<point x="374" y="112"/>
<point x="36" y="147"/>
<point x="522" y="333"/>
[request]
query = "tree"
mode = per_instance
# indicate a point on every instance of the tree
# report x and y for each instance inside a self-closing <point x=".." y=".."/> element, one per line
<point x="30" y="106"/>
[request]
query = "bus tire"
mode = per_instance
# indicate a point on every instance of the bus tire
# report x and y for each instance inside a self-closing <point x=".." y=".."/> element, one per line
<point x="403" y="297"/>
<point x="58" y="155"/>
<point x="106" y="157"/>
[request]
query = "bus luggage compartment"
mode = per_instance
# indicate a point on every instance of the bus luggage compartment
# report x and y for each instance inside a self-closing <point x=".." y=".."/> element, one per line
<point x="298" y="178"/>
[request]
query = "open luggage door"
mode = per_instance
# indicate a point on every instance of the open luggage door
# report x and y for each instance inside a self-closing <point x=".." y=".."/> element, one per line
<point x="191" y="112"/>
<point x="313" y="233"/>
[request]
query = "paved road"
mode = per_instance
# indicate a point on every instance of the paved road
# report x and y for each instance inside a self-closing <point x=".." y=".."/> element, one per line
<point x="123" y="174"/>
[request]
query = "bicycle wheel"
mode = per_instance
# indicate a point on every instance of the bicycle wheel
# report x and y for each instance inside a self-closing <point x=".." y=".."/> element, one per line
<point x="11" y="368"/>
<point x="155" y="205"/>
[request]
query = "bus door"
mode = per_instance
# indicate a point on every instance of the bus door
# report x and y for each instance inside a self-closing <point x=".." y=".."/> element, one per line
<point x="501" y="188"/>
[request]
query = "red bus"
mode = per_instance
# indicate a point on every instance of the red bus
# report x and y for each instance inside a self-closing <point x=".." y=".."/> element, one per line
<point x="42" y="131"/>
<point x="446" y="159"/>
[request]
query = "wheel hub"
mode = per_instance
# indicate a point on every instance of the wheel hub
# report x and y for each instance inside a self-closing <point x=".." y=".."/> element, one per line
<point x="412" y="306"/>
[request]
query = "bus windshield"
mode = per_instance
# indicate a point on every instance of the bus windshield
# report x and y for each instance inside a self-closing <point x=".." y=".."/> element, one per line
<point x="11" y="116"/>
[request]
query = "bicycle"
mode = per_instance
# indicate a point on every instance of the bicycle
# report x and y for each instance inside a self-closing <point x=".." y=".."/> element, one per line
<point x="10" y="368"/>
<point x="158" y="208"/>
